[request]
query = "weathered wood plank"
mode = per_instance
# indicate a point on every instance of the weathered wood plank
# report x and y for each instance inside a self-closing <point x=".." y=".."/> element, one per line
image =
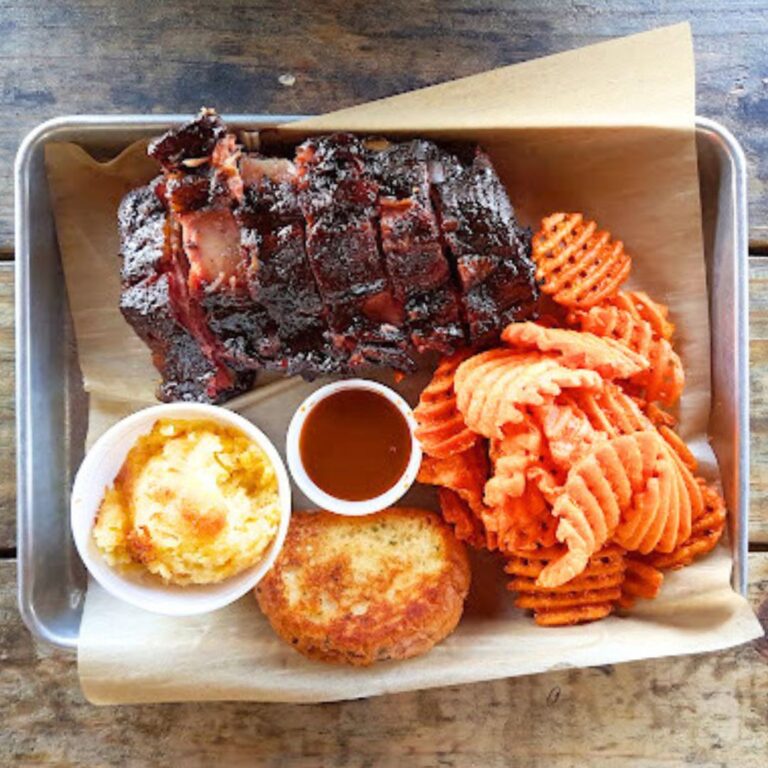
<point x="758" y="370"/>
<point x="7" y="411"/>
<point x="707" y="710"/>
<point x="96" y="56"/>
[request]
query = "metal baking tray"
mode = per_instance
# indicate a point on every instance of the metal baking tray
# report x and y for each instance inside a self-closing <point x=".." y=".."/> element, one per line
<point x="52" y="405"/>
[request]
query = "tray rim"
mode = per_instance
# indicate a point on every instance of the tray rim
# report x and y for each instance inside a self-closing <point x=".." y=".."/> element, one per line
<point x="49" y="129"/>
<point x="735" y="152"/>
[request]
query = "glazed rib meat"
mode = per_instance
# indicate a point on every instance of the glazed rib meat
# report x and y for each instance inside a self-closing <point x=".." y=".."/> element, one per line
<point x="204" y="242"/>
<point x="279" y="274"/>
<point x="338" y="197"/>
<point x="150" y="302"/>
<point x="410" y="239"/>
<point x="352" y="252"/>
<point x="482" y="238"/>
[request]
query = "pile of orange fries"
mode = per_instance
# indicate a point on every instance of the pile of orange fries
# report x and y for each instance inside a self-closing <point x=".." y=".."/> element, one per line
<point x="556" y="448"/>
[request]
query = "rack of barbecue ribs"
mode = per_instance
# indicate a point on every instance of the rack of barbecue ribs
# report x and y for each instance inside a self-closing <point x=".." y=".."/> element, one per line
<point x="352" y="252"/>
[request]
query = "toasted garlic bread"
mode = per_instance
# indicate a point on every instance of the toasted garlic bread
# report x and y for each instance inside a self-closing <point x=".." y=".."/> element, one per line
<point x="357" y="590"/>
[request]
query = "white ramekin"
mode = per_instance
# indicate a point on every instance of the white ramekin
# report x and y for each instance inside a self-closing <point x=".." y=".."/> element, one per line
<point x="97" y="473"/>
<point x="318" y="495"/>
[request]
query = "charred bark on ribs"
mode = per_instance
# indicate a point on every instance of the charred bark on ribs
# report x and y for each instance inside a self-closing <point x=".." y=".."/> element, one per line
<point x="154" y="302"/>
<point x="354" y="252"/>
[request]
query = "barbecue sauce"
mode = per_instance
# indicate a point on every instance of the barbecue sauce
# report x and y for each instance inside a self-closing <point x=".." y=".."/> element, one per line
<point x="355" y="444"/>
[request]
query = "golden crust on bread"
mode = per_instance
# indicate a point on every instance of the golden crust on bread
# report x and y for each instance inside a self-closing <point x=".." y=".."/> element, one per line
<point x="357" y="590"/>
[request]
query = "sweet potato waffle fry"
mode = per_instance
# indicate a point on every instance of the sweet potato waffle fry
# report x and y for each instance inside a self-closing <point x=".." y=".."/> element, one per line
<point x="611" y="359"/>
<point x="464" y="473"/>
<point x="640" y="580"/>
<point x="706" y="531"/>
<point x="568" y="431"/>
<point x="663" y="379"/>
<point x="661" y="514"/>
<point x="618" y="477"/>
<point x="441" y="428"/>
<point x="467" y="526"/>
<point x="511" y="457"/>
<point x="578" y="265"/>
<point x="493" y="387"/>
<point x="612" y="411"/>
<point x="555" y="448"/>
<point x="642" y="307"/>
<point x="521" y="523"/>
<point x="590" y="596"/>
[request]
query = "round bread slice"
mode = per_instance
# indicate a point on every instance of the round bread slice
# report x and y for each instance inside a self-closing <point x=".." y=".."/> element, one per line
<point x="357" y="590"/>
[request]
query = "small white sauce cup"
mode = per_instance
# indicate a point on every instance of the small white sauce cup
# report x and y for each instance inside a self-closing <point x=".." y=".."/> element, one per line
<point x="318" y="495"/>
<point x="98" y="472"/>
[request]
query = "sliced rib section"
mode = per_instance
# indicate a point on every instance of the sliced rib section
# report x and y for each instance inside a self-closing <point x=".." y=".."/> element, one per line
<point x="338" y="197"/>
<point x="490" y="251"/>
<point x="204" y="239"/>
<point x="153" y="305"/>
<point x="279" y="275"/>
<point x="410" y="240"/>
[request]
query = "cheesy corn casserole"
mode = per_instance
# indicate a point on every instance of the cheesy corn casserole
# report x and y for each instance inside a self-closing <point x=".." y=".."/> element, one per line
<point x="195" y="502"/>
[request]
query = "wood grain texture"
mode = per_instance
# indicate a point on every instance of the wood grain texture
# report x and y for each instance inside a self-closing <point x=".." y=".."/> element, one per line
<point x="707" y="710"/>
<point x="758" y="376"/>
<point x="91" y="56"/>
<point x="7" y="411"/>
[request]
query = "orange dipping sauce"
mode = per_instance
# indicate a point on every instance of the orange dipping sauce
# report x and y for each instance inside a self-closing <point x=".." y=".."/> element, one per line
<point x="355" y="444"/>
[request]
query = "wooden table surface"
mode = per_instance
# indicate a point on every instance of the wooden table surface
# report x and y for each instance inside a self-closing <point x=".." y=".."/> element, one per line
<point x="98" y="56"/>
